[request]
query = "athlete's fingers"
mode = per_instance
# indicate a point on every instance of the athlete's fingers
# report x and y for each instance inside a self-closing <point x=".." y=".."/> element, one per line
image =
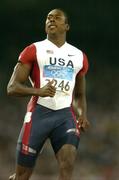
<point x="80" y="121"/>
<point x="51" y="93"/>
<point x="85" y="125"/>
<point x="52" y="89"/>
<point x="48" y="91"/>
<point x="52" y="83"/>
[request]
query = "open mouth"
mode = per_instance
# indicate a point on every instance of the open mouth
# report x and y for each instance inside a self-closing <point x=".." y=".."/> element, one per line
<point x="52" y="26"/>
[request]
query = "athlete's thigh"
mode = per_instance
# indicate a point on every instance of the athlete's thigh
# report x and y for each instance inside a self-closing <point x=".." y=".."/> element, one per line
<point x="66" y="154"/>
<point x="34" y="132"/>
<point x="65" y="132"/>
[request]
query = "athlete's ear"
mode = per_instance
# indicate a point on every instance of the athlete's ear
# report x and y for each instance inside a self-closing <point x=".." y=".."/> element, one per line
<point x="67" y="27"/>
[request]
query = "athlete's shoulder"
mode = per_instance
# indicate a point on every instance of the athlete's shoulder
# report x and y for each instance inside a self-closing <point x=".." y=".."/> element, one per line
<point x="28" y="54"/>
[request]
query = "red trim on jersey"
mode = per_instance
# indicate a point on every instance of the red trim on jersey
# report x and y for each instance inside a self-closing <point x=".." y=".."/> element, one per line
<point x="28" y="55"/>
<point x="84" y="70"/>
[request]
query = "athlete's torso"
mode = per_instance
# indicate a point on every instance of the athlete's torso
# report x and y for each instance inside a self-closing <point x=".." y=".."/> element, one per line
<point x="61" y="64"/>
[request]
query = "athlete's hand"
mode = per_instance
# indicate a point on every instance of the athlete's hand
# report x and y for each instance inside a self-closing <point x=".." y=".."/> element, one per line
<point x="83" y="124"/>
<point x="48" y="90"/>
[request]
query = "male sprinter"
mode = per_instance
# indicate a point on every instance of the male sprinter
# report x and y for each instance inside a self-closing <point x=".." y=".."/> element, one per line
<point x="57" y="73"/>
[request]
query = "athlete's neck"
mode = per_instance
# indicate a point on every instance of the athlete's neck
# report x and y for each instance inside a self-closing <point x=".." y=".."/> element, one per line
<point x="58" y="41"/>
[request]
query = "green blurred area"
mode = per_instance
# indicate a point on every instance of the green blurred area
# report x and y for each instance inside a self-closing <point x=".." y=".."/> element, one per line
<point x="95" y="30"/>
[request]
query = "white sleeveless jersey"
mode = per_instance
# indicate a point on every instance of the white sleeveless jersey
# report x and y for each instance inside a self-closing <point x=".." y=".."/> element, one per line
<point x="61" y="64"/>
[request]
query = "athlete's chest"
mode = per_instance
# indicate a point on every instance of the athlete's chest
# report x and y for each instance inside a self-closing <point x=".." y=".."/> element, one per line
<point x="58" y="57"/>
<point x="59" y="64"/>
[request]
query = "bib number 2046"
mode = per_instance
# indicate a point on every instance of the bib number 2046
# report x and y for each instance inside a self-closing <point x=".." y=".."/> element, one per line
<point x="61" y="85"/>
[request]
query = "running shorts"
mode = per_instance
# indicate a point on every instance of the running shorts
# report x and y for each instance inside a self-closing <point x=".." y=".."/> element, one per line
<point x="59" y="126"/>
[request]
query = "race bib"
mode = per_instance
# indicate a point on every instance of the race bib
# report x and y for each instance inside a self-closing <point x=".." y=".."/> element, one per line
<point x="58" y="72"/>
<point x="62" y="76"/>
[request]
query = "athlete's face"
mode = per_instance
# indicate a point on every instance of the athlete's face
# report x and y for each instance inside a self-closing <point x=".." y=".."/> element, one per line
<point x="56" y="22"/>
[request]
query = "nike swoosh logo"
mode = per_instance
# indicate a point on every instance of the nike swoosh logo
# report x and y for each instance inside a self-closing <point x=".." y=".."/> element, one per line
<point x="71" y="54"/>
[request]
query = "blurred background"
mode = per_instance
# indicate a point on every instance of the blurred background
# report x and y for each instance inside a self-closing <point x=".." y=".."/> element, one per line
<point x="95" y="30"/>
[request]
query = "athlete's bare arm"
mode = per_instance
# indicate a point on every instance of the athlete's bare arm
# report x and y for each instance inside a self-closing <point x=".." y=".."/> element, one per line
<point x="79" y="102"/>
<point x="17" y="87"/>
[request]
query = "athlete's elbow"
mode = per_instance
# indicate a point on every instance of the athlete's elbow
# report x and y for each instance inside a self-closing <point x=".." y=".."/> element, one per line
<point x="11" y="90"/>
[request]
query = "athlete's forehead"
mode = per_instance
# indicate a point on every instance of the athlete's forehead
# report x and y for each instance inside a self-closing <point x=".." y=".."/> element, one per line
<point x="56" y="12"/>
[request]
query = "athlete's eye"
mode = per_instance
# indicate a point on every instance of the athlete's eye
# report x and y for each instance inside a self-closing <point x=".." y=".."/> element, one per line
<point x="49" y="17"/>
<point x="57" y="17"/>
